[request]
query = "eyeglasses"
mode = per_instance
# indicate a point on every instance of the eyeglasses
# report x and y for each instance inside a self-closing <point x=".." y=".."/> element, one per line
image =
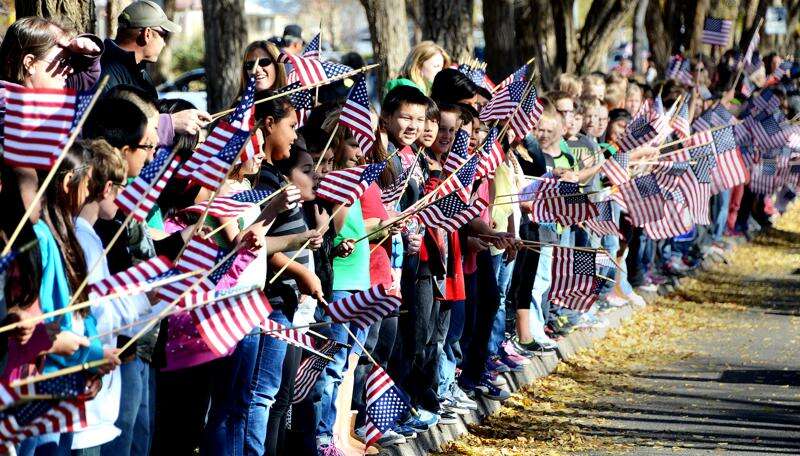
<point x="262" y="62"/>
<point x="163" y="33"/>
<point x="145" y="146"/>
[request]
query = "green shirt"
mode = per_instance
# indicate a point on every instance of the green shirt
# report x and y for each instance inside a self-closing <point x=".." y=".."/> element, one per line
<point x="352" y="273"/>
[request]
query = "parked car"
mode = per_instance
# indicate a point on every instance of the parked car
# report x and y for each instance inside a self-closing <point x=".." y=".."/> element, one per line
<point x="189" y="86"/>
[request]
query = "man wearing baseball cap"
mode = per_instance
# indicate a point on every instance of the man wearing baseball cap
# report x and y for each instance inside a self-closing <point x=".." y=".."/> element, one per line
<point x="292" y="40"/>
<point x="142" y="33"/>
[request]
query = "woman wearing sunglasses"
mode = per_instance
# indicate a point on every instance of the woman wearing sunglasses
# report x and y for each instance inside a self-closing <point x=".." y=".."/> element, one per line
<point x="260" y="59"/>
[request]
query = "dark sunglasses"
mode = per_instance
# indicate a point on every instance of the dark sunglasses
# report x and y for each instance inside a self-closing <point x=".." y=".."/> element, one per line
<point x="262" y="62"/>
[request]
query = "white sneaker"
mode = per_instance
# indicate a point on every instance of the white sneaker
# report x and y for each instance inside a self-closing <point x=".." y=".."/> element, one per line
<point x="388" y="438"/>
<point x="636" y="300"/>
<point x="616" y="301"/>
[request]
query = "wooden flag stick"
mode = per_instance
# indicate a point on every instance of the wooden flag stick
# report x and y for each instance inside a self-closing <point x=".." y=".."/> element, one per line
<point x="328" y="144"/>
<point x="95" y="301"/>
<point x="117" y="235"/>
<point x="233" y="219"/>
<point x="58" y="373"/>
<point x="300" y="89"/>
<point x="169" y="306"/>
<point x="676" y="152"/>
<point x="52" y="173"/>
<point x="743" y="63"/>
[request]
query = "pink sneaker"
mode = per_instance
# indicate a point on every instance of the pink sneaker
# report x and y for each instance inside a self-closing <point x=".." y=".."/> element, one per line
<point x="513" y="355"/>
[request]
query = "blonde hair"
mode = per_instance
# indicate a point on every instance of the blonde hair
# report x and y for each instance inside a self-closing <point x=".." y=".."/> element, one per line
<point x="633" y="89"/>
<point x="412" y="68"/>
<point x="587" y="104"/>
<point x="107" y="165"/>
<point x="569" y="83"/>
<point x="592" y="79"/>
<point x="615" y="96"/>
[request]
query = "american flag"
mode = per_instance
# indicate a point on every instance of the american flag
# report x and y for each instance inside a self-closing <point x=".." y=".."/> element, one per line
<point x="716" y="32"/>
<point x="570" y="206"/>
<point x="311" y="71"/>
<point x="386" y="404"/>
<point x="752" y="48"/>
<point x="302" y="102"/>
<point x="224" y="322"/>
<point x="616" y="168"/>
<point x="251" y="148"/>
<point x="347" y="185"/>
<point x="490" y="160"/>
<point x="766" y="100"/>
<point x="364" y="307"/>
<point x="38" y="123"/>
<point x="642" y="198"/>
<point x="8" y="396"/>
<point x="754" y="64"/>
<point x="748" y="86"/>
<point x="230" y="206"/>
<point x="603" y="223"/>
<point x="680" y="122"/>
<point x="450" y="212"/>
<point x="527" y="116"/>
<point x="42" y="417"/>
<point x="730" y="169"/>
<point x="516" y="76"/>
<point x="357" y="117"/>
<point x="680" y="69"/>
<point x="638" y="132"/>
<point x="312" y="48"/>
<point x="575" y="282"/>
<point x="132" y="278"/>
<point x="770" y="174"/>
<point x="539" y="190"/>
<point x="694" y="180"/>
<point x="200" y="254"/>
<point x="213" y="171"/>
<point x="461" y="182"/>
<point x="311" y="368"/>
<point x="766" y="131"/>
<point x="289" y="335"/>
<point x="458" y="152"/>
<point x="712" y="117"/>
<point x="677" y="219"/>
<point x="394" y="191"/>
<point x="503" y="102"/>
<point x="141" y="194"/>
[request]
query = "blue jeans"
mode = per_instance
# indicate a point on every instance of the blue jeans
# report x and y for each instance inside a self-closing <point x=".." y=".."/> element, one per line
<point x="503" y="270"/>
<point x="230" y="399"/>
<point x="332" y="379"/>
<point x="265" y="384"/>
<point x="721" y="219"/>
<point x="134" y="418"/>
<point x="450" y="355"/>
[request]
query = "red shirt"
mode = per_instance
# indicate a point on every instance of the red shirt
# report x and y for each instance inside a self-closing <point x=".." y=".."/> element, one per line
<point x="380" y="268"/>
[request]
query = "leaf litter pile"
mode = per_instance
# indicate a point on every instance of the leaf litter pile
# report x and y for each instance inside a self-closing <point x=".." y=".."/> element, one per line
<point x="553" y="416"/>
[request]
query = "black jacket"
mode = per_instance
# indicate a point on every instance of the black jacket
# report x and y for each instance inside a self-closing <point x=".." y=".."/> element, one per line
<point x="121" y="67"/>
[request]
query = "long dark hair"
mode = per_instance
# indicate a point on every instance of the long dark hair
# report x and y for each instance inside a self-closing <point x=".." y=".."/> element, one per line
<point x="59" y="209"/>
<point x="24" y="276"/>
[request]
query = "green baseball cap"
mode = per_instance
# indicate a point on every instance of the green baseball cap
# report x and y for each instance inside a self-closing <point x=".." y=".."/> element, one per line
<point x="144" y="13"/>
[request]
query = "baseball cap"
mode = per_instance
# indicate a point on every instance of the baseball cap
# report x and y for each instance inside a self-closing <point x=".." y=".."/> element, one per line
<point x="293" y="31"/>
<point x="144" y="13"/>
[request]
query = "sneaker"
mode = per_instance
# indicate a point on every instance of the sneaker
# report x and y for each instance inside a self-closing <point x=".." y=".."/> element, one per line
<point x="512" y="365"/>
<point x="538" y="348"/>
<point x="462" y="399"/>
<point x="448" y="417"/>
<point x="329" y="449"/>
<point x="616" y="301"/>
<point x="495" y="378"/>
<point x="422" y="421"/>
<point x="656" y="279"/>
<point x="511" y="352"/>
<point x="636" y="300"/>
<point x="495" y="365"/>
<point x="522" y="351"/>
<point x="406" y="431"/>
<point x="388" y="438"/>
<point x="649" y="287"/>
<point x="451" y="404"/>
<point x="491" y="391"/>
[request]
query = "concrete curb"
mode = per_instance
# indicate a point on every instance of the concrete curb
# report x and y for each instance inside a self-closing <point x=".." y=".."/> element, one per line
<point x="437" y="437"/>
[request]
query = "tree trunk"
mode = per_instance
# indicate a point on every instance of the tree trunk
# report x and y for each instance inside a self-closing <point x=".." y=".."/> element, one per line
<point x="388" y="29"/>
<point x="531" y="23"/>
<point x="77" y="14"/>
<point x="564" y="34"/>
<point x="164" y="64"/>
<point x="225" y="38"/>
<point x="700" y="13"/>
<point x="755" y="11"/>
<point x="597" y="34"/>
<point x="639" y="35"/>
<point x="112" y="12"/>
<point x="449" y="24"/>
<point x="414" y="12"/>
<point x="500" y="52"/>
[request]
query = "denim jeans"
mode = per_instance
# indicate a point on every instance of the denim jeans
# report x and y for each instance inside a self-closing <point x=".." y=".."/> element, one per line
<point x="450" y="354"/>
<point x="46" y="445"/>
<point x="502" y="270"/>
<point x="265" y="383"/>
<point x="135" y="416"/>
<point x="721" y="219"/>
<point x="231" y="394"/>
<point x="332" y="379"/>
